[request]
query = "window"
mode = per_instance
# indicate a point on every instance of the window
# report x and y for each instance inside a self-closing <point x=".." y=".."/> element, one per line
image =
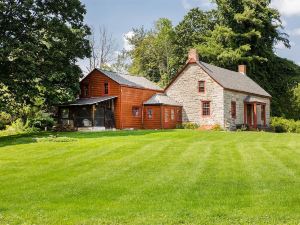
<point x="166" y="116"/>
<point x="149" y="113"/>
<point x="178" y="115"/>
<point x="135" y="111"/>
<point x="201" y="86"/>
<point x="206" y="108"/>
<point x="233" y="110"/>
<point x="65" y="114"/>
<point x="106" y="88"/>
<point x="172" y="114"/>
<point x="85" y="90"/>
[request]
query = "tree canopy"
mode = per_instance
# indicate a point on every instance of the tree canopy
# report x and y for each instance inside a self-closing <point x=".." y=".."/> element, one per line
<point x="236" y="32"/>
<point x="41" y="41"/>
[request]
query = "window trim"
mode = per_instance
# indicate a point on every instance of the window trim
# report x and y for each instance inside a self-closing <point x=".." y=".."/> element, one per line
<point x="233" y="109"/>
<point x="139" y="111"/>
<point x="86" y="90"/>
<point x="204" y="86"/>
<point x="202" y="111"/>
<point x="166" y="116"/>
<point x="106" y="83"/>
<point x="172" y="114"/>
<point x="147" y="112"/>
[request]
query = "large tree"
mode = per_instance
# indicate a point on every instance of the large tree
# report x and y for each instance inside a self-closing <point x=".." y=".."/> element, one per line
<point x="152" y="52"/>
<point x="40" y="42"/>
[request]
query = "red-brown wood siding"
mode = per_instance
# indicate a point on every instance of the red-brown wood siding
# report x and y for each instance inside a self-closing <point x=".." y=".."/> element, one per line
<point x="96" y="81"/>
<point x="133" y="97"/>
<point x="171" y="123"/>
<point x="155" y="121"/>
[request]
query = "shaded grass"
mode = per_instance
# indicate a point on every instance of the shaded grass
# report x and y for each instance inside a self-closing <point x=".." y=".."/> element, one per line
<point x="151" y="177"/>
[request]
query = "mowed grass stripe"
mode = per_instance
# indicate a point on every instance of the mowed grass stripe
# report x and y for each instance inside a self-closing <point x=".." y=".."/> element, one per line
<point x="151" y="177"/>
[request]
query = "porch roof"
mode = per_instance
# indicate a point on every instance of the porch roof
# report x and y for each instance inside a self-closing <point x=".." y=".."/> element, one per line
<point x="89" y="101"/>
<point x="252" y="99"/>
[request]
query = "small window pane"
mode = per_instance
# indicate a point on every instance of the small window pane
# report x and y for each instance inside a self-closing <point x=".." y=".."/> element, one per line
<point x="135" y="111"/>
<point x="106" y="88"/>
<point x="172" y="114"/>
<point x="166" y="115"/>
<point x="206" y="108"/>
<point x="201" y="86"/>
<point x="149" y="113"/>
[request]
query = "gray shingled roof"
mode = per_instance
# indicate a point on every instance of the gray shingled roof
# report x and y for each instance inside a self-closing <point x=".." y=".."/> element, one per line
<point x="233" y="80"/>
<point x="161" y="99"/>
<point x="88" y="101"/>
<point x="133" y="81"/>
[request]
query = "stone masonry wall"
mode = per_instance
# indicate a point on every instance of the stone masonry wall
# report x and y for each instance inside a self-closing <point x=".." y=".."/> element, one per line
<point x="185" y="91"/>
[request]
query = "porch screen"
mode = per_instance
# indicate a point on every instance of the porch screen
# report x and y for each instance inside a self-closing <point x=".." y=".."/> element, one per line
<point x="84" y="116"/>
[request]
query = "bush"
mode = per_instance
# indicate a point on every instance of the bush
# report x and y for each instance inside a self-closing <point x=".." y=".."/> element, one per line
<point x="282" y="125"/>
<point x="18" y="127"/>
<point x="5" y="119"/>
<point x="191" y="126"/>
<point x="42" y="121"/>
<point x="217" y="127"/>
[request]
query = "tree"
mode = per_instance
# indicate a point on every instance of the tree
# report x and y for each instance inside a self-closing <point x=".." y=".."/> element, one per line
<point x="103" y="53"/>
<point x="152" y="54"/>
<point x="121" y="64"/>
<point x="40" y="42"/>
<point x="191" y="31"/>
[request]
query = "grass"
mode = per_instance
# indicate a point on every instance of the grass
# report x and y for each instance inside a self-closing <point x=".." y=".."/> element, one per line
<point x="151" y="177"/>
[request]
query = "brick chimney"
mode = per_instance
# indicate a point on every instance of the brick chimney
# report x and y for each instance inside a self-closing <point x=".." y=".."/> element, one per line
<point x="243" y="69"/>
<point x="193" y="56"/>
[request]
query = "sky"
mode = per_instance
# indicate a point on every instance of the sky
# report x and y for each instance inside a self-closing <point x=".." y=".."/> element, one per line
<point x="120" y="16"/>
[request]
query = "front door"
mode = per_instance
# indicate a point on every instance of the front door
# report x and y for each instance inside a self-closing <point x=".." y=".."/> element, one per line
<point x="249" y="114"/>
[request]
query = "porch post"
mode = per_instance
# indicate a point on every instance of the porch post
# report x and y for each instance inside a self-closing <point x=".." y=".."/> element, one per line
<point x="245" y="113"/>
<point x="93" y="115"/>
<point x="255" y="114"/>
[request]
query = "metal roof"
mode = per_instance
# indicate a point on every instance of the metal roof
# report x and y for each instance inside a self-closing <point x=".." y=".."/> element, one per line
<point x="130" y="80"/>
<point x="161" y="99"/>
<point x="88" y="101"/>
<point x="233" y="80"/>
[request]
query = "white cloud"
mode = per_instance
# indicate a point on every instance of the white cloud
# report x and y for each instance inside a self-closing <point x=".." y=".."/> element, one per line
<point x="287" y="7"/>
<point x="126" y="45"/>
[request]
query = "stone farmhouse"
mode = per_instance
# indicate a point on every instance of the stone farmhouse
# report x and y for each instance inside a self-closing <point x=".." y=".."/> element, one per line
<point x="200" y="93"/>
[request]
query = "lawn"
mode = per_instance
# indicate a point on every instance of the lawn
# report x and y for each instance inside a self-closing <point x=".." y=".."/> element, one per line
<point x="151" y="177"/>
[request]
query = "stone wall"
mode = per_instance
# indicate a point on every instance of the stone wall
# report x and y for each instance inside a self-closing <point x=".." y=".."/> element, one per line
<point x="185" y="91"/>
<point x="239" y="99"/>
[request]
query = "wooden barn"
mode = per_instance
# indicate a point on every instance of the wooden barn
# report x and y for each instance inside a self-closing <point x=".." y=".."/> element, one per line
<point x="109" y="100"/>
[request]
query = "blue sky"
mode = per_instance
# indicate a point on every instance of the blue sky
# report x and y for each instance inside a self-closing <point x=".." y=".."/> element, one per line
<point x="120" y="16"/>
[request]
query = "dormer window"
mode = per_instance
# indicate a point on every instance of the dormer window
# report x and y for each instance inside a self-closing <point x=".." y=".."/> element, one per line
<point x="85" y="90"/>
<point x="201" y="87"/>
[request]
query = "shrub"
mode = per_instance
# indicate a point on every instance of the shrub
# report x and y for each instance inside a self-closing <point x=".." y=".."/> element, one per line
<point x="41" y="121"/>
<point x="18" y="127"/>
<point x="282" y="125"/>
<point x="217" y="127"/>
<point x="5" y="119"/>
<point x="191" y="126"/>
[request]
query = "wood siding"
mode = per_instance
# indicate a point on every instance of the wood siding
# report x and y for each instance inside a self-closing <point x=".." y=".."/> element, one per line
<point x="95" y="81"/>
<point x="133" y="97"/>
<point x="159" y="121"/>
<point x="156" y="121"/>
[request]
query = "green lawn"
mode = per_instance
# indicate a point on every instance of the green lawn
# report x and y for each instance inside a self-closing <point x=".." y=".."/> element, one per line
<point x="151" y="177"/>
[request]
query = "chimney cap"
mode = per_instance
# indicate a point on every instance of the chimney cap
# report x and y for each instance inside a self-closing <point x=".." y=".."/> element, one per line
<point x="193" y="56"/>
